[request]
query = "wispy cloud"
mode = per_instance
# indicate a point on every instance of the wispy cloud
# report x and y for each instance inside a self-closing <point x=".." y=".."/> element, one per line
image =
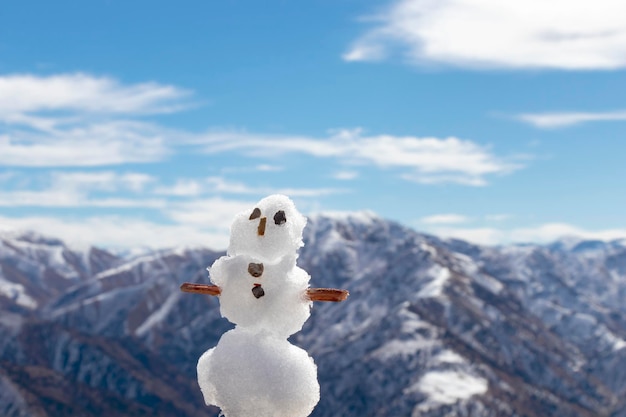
<point x="561" y="34"/>
<point x="565" y="119"/>
<point x="426" y="160"/>
<point x="268" y="168"/>
<point x="82" y="120"/>
<point x="345" y="175"/>
<point x="25" y="95"/>
<point x="101" y="180"/>
<point x="77" y="189"/>
<point x="445" y="219"/>
<point x="83" y="189"/>
<point x="198" y="221"/>
<point x="543" y="233"/>
<point x="221" y="185"/>
<point x="107" y="143"/>
<point x="498" y="217"/>
<point x="78" y="120"/>
<point x="119" y="232"/>
<point x="184" y="187"/>
<point x="215" y="211"/>
<point x="7" y="175"/>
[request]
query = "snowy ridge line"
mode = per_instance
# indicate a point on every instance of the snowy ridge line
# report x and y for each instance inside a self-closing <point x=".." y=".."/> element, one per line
<point x="521" y="331"/>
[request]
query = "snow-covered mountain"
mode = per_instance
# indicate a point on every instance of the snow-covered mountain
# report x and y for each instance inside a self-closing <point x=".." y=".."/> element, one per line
<point x="432" y="327"/>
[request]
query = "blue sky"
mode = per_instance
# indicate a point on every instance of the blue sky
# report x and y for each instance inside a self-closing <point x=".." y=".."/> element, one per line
<point x="149" y="123"/>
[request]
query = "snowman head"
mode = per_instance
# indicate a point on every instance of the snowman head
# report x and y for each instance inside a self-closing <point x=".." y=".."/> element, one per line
<point x="268" y="231"/>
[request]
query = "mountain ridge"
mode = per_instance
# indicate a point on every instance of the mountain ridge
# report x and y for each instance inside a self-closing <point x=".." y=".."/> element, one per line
<point x="433" y="326"/>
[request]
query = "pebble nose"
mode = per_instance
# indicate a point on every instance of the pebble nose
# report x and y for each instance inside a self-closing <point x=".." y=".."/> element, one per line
<point x="261" y="229"/>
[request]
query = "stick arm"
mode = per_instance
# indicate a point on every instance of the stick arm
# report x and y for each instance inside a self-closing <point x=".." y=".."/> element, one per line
<point x="201" y="288"/>
<point x="326" y="294"/>
<point x="312" y="294"/>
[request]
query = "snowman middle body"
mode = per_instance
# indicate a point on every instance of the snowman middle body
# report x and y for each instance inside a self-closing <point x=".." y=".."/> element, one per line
<point x="262" y="296"/>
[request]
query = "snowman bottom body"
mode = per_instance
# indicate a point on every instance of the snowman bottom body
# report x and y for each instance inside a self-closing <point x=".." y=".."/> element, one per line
<point x="258" y="374"/>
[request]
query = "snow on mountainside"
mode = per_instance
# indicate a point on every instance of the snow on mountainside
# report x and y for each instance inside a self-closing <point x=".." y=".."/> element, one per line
<point x="432" y="327"/>
<point x="35" y="269"/>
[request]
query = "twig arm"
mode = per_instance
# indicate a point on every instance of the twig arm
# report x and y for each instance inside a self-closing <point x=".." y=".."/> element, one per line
<point x="201" y="288"/>
<point x="326" y="294"/>
<point x="313" y="294"/>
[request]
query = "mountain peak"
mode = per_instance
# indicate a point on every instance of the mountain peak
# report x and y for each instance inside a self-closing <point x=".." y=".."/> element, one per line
<point x="29" y="236"/>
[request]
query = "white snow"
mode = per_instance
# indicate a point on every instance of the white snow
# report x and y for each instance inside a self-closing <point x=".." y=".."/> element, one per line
<point x="435" y="287"/>
<point x="418" y="335"/>
<point x="448" y="356"/>
<point x="159" y="315"/>
<point x="488" y="282"/>
<point x="466" y="263"/>
<point x="614" y="341"/>
<point x="448" y="387"/>
<point x="411" y="321"/>
<point x="428" y="248"/>
<point x="396" y="347"/>
<point x="128" y="266"/>
<point x="619" y="344"/>
<point x="54" y="256"/>
<point x="17" y="293"/>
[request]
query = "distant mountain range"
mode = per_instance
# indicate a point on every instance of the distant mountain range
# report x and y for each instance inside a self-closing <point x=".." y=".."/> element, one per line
<point x="432" y="327"/>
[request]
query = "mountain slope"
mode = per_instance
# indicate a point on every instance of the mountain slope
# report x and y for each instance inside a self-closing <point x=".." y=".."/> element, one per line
<point x="431" y="328"/>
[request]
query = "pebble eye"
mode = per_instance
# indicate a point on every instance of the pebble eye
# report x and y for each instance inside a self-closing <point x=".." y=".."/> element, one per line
<point x="256" y="213"/>
<point x="280" y="218"/>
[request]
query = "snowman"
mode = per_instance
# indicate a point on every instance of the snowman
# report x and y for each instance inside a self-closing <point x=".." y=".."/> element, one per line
<point x="254" y="370"/>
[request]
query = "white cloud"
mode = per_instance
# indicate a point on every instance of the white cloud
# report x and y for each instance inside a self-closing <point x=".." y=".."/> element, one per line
<point x="5" y="176"/>
<point x="557" y="34"/>
<point x="182" y="188"/>
<point x="497" y="217"/>
<point x="119" y="232"/>
<point x="428" y="160"/>
<point x="345" y="175"/>
<point x="22" y="95"/>
<point x="78" y="120"/>
<point x="265" y="145"/>
<point x="479" y="235"/>
<point x="192" y="222"/>
<point x="564" y="119"/>
<point x="552" y="231"/>
<point x="81" y="189"/>
<point x="107" y="143"/>
<point x="475" y="181"/>
<point x="306" y="192"/>
<point x="101" y="180"/>
<point x="70" y="198"/>
<point x="76" y="189"/>
<point x="268" y="168"/>
<point x="445" y="219"/>
<point x="220" y="185"/>
<point x="214" y="211"/>
<point x="544" y="233"/>
<point x="240" y="169"/>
